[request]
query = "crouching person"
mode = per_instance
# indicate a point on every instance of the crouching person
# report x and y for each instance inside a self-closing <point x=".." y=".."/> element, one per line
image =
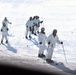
<point x="41" y="39"/>
<point x="52" y="40"/>
<point x="4" y="31"/>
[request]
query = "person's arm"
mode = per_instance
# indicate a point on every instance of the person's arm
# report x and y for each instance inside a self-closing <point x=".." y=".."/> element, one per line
<point x="9" y="22"/>
<point x="58" y="41"/>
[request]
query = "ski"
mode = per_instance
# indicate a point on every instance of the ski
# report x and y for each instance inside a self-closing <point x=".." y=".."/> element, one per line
<point x="10" y="35"/>
<point x="51" y="63"/>
<point x="55" y="63"/>
<point x="3" y="43"/>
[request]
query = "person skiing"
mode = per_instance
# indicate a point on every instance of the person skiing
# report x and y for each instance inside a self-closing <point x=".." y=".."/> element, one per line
<point x="29" y="25"/>
<point x="33" y="24"/>
<point x="52" y="40"/>
<point x="4" y="31"/>
<point x="36" y="23"/>
<point x="41" y="40"/>
<point x="6" y="22"/>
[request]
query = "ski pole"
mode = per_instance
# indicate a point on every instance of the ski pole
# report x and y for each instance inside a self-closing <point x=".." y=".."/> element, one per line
<point x="73" y="30"/>
<point x="10" y="29"/>
<point x="64" y="53"/>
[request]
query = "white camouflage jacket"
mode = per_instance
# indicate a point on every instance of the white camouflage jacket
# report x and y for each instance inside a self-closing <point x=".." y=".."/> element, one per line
<point x="53" y="40"/>
<point x="42" y="38"/>
<point x="4" y="30"/>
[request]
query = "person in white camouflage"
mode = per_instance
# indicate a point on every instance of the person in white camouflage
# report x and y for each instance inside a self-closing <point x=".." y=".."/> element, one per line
<point x="36" y="23"/>
<point x="4" y="30"/>
<point x="42" y="41"/>
<point x="6" y="22"/>
<point x="29" y="25"/>
<point x="52" y="40"/>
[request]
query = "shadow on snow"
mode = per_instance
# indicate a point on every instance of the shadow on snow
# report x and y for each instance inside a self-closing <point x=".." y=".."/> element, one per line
<point x="35" y="42"/>
<point x="62" y="67"/>
<point x="9" y="47"/>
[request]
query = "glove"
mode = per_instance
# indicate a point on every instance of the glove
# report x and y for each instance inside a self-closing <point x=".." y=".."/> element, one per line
<point x="7" y="29"/>
<point x="48" y="42"/>
<point x="40" y="42"/>
<point x="61" y="42"/>
<point x="41" y="21"/>
<point x="1" y="29"/>
<point x="10" y="23"/>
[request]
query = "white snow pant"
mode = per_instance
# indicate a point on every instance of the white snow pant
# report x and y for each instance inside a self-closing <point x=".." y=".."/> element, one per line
<point x="41" y="48"/>
<point x="28" y="31"/>
<point x="4" y="36"/>
<point x="36" y="29"/>
<point x="49" y="53"/>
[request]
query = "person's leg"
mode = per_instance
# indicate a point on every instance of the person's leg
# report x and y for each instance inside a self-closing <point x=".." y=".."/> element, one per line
<point x="30" y="32"/>
<point x="2" y="39"/>
<point x="37" y="30"/>
<point x="49" y="55"/>
<point x="34" y="30"/>
<point x="26" y="33"/>
<point x="6" y="38"/>
<point x="41" y="51"/>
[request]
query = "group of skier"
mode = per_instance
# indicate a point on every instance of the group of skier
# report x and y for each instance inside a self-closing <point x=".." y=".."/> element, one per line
<point x="51" y="41"/>
<point x="32" y="27"/>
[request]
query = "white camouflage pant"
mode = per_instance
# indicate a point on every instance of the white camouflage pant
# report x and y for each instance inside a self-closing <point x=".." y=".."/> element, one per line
<point x="36" y="29"/>
<point x="4" y="36"/>
<point x="41" y="48"/>
<point x="28" y="32"/>
<point x="49" y="53"/>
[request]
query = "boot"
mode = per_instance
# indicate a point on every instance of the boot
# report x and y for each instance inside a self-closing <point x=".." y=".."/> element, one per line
<point x="2" y="41"/>
<point x="29" y="36"/>
<point x="6" y="41"/>
<point x="35" y="34"/>
<point x="41" y="55"/>
<point x="26" y="37"/>
<point x="49" y="61"/>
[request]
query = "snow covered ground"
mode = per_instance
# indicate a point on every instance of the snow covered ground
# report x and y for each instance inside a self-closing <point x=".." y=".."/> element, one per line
<point x="56" y="14"/>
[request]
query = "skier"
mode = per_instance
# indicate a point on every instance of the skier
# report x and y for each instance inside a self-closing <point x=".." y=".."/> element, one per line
<point x="29" y="25"/>
<point x="36" y="23"/>
<point x="6" y="22"/>
<point x="33" y="24"/>
<point x="52" y="40"/>
<point x="42" y="39"/>
<point x="4" y="31"/>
